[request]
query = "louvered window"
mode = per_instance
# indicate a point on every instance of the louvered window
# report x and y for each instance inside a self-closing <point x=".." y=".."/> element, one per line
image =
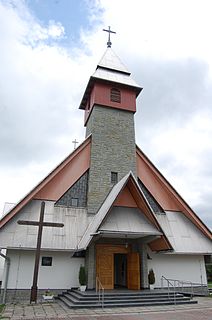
<point x="115" y="95"/>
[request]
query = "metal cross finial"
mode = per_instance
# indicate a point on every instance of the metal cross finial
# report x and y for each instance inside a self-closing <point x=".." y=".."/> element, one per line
<point x="75" y="143"/>
<point x="109" y="43"/>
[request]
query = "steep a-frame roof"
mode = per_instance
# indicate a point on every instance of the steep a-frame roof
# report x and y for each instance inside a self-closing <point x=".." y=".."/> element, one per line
<point x="58" y="181"/>
<point x="140" y="199"/>
<point x="167" y="197"/>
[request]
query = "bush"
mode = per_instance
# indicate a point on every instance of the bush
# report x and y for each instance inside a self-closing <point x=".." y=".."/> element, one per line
<point x="151" y="276"/>
<point x="82" y="276"/>
<point x="209" y="272"/>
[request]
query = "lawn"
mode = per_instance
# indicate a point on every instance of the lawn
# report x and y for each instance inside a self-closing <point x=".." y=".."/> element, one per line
<point x="209" y="284"/>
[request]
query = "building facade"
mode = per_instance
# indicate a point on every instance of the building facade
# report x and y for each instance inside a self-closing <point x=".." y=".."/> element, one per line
<point x="121" y="216"/>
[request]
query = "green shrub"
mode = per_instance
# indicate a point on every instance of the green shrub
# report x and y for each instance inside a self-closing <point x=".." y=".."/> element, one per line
<point x="151" y="276"/>
<point x="1" y="308"/>
<point x="82" y="276"/>
<point x="209" y="272"/>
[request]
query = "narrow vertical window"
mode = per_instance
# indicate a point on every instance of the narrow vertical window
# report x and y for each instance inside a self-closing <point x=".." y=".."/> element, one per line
<point x="114" y="177"/>
<point x="115" y="95"/>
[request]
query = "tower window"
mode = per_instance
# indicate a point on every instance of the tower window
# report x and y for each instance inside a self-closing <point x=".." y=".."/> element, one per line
<point x="114" y="177"/>
<point x="115" y="95"/>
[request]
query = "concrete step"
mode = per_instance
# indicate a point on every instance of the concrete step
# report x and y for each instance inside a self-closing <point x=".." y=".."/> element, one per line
<point x="123" y="300"/>
<point x="77" y="299"/>
<point x="117" y="304"/>
<point x="126" y="296"/>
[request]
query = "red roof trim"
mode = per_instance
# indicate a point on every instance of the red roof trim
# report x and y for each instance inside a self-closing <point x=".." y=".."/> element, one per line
<point x="34" y="191"/>
<point x="190" y="214"/>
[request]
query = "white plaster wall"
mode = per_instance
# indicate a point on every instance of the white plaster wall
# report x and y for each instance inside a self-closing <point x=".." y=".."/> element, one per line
<point x="179" y="267"/>
<point x="75" y="222"/>
<point x="63" y="274"/>
<point x="1" y="267"/>
<point x="2" y="260"/>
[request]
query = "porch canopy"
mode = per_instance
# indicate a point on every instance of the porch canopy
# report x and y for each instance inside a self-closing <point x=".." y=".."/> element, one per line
<point x="116" y="219"/>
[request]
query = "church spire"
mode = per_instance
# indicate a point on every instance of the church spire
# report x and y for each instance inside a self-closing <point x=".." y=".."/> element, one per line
<point x="109" y="43"/>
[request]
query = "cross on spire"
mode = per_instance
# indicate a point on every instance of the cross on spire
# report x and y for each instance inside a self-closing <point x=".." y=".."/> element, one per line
<point x="109" y="43"/>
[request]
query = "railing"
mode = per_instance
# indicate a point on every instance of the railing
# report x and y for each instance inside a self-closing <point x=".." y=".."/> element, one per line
<point x="186" y="287"/>
<point x="101" y="291"/>
<point x="169" y="285"/>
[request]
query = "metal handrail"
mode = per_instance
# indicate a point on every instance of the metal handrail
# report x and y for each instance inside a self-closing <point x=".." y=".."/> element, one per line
<point x="100" y="290"/>
<point x="183" y="285"/>
<point x="168" y="285"/>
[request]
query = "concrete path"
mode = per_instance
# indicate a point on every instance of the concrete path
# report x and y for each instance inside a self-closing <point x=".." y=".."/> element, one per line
<point x="57" y="310"/>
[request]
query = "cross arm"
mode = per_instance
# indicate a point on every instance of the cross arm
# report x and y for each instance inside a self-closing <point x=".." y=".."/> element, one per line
<point x="37" y="223"/>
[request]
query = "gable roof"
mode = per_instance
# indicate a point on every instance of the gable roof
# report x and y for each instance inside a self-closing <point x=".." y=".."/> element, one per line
<point x="107" y="205"/>
<point x="164" y="193"/>
<point x="67" y="172"/>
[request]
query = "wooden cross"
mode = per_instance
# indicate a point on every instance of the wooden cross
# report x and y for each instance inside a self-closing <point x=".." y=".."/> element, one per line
<point x="40" y="224"/>
<point x="109" y="43"/>
<point x="75" y="143"/>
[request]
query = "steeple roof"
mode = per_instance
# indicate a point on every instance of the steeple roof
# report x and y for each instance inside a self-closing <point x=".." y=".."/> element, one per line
<point x="110" y="69"/>
<point x="111" y="61"/>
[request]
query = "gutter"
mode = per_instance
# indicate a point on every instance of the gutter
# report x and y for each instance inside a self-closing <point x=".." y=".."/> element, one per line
<point x="7" y="260"/>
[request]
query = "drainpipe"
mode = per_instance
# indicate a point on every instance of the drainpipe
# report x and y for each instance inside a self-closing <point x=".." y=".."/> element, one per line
<point x="7" y="260"/>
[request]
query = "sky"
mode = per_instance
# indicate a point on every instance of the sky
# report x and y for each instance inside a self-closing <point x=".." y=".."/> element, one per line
<point x="50" y="48"/>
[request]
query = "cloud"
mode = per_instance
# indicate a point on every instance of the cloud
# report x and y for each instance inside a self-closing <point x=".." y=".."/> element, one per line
<point x="40" y="86"/>
<point x="174" y="126"/>
<point x="42" y="83"/>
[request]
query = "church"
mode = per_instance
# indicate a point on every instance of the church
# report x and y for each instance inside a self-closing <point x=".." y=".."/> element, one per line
<point x="120" y="215"/>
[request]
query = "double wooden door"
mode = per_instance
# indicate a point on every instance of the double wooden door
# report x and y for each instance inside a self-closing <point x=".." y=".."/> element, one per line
<point x="105" y="266"/>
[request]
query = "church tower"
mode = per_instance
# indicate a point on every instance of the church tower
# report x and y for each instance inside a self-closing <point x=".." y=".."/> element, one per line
<point x="109" y="103"/>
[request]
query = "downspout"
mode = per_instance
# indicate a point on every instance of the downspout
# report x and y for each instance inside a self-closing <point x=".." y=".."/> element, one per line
<point x="7" y="260"/>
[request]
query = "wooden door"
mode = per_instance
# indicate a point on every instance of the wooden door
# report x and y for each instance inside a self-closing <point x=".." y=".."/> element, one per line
<point x="105" y="269"/>
<point x="133" y="271"/>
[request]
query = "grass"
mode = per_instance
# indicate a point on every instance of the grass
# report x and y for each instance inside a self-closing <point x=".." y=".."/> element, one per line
<point x="209" y="284"/>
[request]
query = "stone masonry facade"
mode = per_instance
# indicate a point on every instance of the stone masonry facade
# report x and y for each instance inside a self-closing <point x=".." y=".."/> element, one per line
<point x="78" y="192"/>
<point x="113" y="150"/>
<point x="152" y="202"/>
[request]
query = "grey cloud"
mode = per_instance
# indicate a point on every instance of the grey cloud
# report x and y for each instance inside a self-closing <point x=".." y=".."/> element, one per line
<point x="172" y="90"/>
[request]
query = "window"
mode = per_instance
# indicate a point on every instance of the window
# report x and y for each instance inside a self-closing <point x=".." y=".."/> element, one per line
<point x="46" y="261"/>
<point x="74" y="202"/>
<point x="115" y="95"/>
<point x="114" y="177"/>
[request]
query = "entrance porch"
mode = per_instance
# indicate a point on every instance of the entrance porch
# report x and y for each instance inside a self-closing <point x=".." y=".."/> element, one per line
<point x="117" y="266"/>
<point x="117" y="263"/>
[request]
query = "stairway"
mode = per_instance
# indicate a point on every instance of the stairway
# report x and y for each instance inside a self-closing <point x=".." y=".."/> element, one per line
<point x="90" y="299"/>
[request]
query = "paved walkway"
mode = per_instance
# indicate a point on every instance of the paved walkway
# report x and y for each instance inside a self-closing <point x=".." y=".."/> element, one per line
<point x="57" y="310"/>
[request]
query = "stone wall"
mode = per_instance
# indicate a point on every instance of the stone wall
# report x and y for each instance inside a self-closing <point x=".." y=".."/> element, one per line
<point x="144" y="265"/>
<point x="112" y="150"/>
<point x="23" y="295"/>
<point x="77" y="191"/>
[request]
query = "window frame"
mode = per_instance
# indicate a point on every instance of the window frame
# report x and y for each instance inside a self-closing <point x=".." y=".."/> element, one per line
<point x="114" y="177"/>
